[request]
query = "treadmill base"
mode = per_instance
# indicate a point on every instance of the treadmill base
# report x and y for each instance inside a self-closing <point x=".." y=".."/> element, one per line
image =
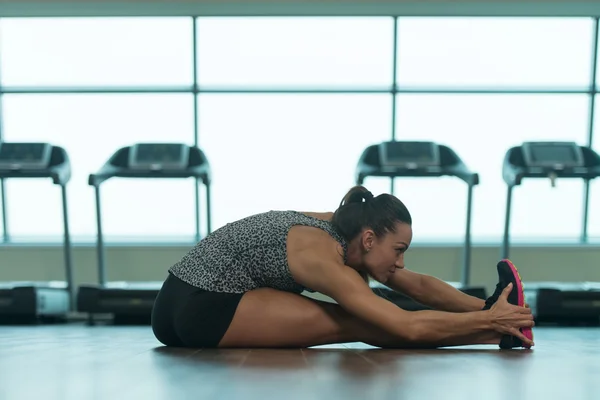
<point x="564" y="303"/>
<point x="123" y="303"/>
<point x="25" y="303"/>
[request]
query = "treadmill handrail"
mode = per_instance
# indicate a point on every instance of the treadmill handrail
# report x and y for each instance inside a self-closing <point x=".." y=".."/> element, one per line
<point x="514" y="174"/>
<point x="108" y="171"/>
<point x="458" y="169"/>
<point x="59" y="170"/>
<point x="111" y="172"/>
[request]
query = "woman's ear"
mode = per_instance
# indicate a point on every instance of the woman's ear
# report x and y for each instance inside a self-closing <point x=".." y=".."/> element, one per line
<point x="368" y="237"/>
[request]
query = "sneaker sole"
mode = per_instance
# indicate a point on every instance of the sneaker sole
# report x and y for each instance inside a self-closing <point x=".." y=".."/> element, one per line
<point x="528" y="332"/>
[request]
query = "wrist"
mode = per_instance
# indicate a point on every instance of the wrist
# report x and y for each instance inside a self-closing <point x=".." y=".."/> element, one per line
<point x="484" y="320"/>
<point x="477" y="304"/>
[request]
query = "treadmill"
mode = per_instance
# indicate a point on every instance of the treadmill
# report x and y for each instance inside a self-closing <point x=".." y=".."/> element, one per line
<point x="553" y="302"/>
<point x="420" y="159"/>
<point x="132" y="302"/>
<point x="30" y="301"/>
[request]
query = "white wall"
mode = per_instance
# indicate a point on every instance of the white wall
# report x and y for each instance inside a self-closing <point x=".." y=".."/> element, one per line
<point x="151" y="263"/>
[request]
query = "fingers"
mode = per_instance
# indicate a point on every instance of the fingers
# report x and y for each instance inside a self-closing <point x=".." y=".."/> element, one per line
<point x="506" y="291"/>
<point x="529" y="324"/>
<point x="522" y="310"/>
<point x="519" y="309"/>
<point x="517" y="333"/>
<point x="526" y="323"/>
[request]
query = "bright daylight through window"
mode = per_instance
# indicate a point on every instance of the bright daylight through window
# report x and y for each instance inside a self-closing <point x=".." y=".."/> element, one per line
<point x="132" y="81"/>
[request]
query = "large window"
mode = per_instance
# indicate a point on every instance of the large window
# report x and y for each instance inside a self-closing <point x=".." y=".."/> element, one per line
<point x="284" y="108"/>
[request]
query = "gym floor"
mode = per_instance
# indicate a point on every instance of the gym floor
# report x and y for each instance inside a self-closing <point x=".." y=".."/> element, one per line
<point x="111" y="362"/>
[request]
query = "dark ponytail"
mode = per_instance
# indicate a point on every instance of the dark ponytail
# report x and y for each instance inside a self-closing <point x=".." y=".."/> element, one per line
<point x="359" y="209"/>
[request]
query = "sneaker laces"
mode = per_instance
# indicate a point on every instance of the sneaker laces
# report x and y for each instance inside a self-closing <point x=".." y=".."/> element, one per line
<point x="493" y="298"/>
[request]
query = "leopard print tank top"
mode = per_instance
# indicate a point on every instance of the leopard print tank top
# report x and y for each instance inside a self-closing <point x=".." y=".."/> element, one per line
<point x="248" y="254"/>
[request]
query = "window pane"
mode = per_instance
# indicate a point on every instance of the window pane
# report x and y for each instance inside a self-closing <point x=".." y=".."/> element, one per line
<point x="96" y="51"/>
<point x="481" y="128"/>
<point x="91" y="128"/>
<point x="526" y="52"/>
<point x="295" y="51"/>
<point x="594" y="210"/>
<point x="288" y="151"/>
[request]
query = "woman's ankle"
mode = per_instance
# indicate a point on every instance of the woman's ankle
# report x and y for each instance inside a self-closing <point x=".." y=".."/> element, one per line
<point x="491" y="338"/>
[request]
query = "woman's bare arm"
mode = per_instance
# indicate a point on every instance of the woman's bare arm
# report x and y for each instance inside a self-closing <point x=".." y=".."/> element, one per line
<point x="433" y="292"/>
<point x="431" y="328"/>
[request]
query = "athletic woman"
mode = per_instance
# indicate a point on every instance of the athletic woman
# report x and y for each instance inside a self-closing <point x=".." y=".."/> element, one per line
<point x="241" y="286"/>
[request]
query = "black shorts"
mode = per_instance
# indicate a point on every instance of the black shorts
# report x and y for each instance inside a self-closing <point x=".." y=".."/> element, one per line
<point x="186" y="316"/>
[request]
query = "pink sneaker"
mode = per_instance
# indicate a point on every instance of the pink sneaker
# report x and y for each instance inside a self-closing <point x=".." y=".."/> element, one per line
<point x="508" y="273"/>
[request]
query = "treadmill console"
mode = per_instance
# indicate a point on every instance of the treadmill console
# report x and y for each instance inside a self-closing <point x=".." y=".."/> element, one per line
<point x="25" y="156"/>
<point x="158" y="156"/>
<point x="554" y="155"/>
<point x="409" y="155"/>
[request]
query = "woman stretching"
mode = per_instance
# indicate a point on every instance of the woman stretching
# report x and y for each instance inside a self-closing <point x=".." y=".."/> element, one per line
<point x="241" y="286"/>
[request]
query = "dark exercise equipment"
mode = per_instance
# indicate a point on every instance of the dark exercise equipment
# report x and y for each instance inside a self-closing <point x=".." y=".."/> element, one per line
<point x="129" y="302"/>
<point x="37" y="301"/>
<point x="420" y="159"/>
<point x="553" y="302"/>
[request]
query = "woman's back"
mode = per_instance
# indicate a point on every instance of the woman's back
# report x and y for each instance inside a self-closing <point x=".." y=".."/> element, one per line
<point x="249" y="253"/>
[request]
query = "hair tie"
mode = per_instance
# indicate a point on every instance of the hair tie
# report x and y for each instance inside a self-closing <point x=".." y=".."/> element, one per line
<point x="362" y="196"/>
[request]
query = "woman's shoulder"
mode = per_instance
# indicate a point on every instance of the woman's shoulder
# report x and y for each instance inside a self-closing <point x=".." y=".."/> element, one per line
<point x="303" y="239"/>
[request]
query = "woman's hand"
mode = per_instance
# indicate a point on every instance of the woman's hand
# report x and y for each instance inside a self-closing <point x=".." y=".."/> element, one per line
<point x="507" y="318"/>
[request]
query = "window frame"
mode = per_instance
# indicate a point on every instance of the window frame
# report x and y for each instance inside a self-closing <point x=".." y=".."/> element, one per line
<point x="395" y="89"/>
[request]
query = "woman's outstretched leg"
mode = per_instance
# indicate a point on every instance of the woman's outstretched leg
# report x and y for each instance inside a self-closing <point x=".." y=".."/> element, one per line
<point x="272" y="318"/>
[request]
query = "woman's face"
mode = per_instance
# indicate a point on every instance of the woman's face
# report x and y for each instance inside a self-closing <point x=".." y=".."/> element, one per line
<point x="383" y="255"/>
